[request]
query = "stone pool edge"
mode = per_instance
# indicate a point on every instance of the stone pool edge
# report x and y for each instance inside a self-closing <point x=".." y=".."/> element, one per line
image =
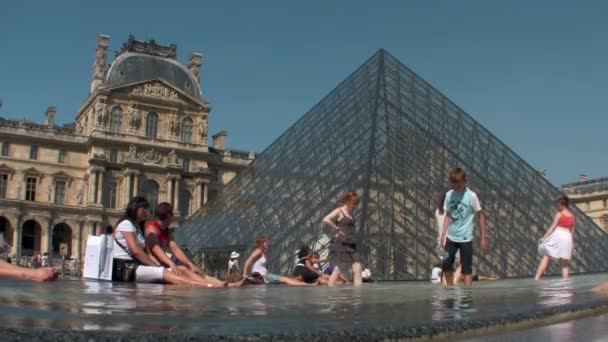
<point x="436" y="331"/>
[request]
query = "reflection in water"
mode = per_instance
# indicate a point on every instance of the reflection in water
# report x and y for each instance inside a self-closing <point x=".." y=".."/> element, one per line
<point x="452" y="303"/>
<point x="556" y="293"/>
<point x="105" y="306"/>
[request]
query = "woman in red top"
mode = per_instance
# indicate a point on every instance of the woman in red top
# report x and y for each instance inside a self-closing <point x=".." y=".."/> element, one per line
<point x="557" y="242"/>
<point x="161" y="247"/>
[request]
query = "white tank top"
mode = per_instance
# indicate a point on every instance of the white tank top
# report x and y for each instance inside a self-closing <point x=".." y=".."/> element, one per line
<point x="259" y="266"/>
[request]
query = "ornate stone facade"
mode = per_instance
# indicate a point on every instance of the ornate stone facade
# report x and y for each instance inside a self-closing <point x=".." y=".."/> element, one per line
<point x="591" y="196"/>
<point x="141" y="131"/>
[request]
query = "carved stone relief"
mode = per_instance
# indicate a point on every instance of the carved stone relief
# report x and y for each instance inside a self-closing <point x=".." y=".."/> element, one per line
<point x="155" y="89"/>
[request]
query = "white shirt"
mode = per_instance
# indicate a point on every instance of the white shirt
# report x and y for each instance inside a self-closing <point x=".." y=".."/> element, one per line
<point x="436" y="275"/>
<point x="233" y="264"/>
<point x="259" y="266"/>
<point x="366" y="273"/>
<point x="126" y="226"/>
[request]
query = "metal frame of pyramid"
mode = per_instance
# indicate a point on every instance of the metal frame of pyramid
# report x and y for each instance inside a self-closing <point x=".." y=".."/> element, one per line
<point x="389" y="135"/>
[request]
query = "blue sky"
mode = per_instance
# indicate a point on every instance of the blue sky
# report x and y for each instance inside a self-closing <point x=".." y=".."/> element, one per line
<point x="532" y="72"/>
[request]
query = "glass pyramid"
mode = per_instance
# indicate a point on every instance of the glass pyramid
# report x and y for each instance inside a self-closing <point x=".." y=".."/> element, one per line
<point x="390" y="136"/>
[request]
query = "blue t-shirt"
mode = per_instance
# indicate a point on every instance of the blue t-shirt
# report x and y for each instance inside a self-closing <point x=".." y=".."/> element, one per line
<point x="461" y="206"/>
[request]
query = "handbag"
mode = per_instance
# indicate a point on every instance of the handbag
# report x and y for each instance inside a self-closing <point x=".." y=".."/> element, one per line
<point x="122" y="269"/>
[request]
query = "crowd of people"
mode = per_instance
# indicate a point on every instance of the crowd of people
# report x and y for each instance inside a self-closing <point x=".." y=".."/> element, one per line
<point x="144" y="250"/>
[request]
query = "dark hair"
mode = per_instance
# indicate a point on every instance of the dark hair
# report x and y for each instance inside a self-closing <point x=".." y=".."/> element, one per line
<point x="134" y="204"/>
<point x="438" y="265"/>
<point x="163" y="210"/>
<point x="304" y="251"/>
<point x="564" y="200"/>
<point x="109" y="229"/>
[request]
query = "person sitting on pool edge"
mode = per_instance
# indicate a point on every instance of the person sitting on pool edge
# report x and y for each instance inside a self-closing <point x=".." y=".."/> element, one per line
<point x="305" y="270"/>
<point x="259" y="272"/>
<point x="130" y="261"/>
<point x="160" y="242"/>
<point x="21" y="273"/>
<point x="341" y="278"/>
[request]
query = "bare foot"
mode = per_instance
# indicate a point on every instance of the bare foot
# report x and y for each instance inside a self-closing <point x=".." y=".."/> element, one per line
<point x="41" y="274"/>
<point x="601" y="288"/>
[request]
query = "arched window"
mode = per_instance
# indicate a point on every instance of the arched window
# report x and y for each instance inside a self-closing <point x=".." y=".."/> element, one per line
<point x="115" y="119"/>
<point x="187" y="131"/>
<point x="151" y="125"/>
<point x="149" y="190"/>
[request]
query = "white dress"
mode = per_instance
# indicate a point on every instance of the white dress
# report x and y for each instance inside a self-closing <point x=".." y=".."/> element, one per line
<point x="558" y="245"/>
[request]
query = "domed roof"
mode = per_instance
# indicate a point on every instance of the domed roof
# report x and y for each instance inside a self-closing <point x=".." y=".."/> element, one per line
<point x="130" y="67"/>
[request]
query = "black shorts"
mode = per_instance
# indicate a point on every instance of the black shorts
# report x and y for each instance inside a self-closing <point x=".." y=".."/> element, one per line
<point x="307" y="275"/>
<point x="466" y="256"/>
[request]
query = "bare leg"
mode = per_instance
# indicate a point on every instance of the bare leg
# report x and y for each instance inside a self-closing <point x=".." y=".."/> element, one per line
<point x="357" y="274"/>
<point x="484" y="278"/>
<point x="174" y="279"/>
<point x="565" y="269"/>
<point x="335" y="274"/>
<point x="468" y="280"/>
<point x="449" y="278"/>
<point x="601" y="288"/>
<point x="542" y="267"/>
<point x="15" y="272"/>
<point x="458" y="275"/>
<point x="293" y="281"/>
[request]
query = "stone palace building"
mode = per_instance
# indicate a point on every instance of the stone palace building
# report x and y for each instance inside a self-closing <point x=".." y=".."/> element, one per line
<point x="141" y="131"/>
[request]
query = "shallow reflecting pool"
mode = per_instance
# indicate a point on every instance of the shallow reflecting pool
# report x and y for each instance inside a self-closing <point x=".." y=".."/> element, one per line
<point x="89" y="305"/>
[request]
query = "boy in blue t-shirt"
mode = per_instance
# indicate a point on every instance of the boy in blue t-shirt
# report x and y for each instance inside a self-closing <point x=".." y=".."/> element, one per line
<point x="461" y="206"/>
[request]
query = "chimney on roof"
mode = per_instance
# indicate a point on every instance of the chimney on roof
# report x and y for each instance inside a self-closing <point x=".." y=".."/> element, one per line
<point x="99" y="65"/>
<point x="49" y="116"/>
<point x="194" y="65"/>
<point x="582" y="177"/>
<point x="219" y="140"/>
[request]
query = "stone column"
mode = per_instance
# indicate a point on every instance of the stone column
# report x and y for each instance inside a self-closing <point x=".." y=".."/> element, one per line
<point x="176" y="195"/>
<point x="100" y="187"/>
<point x="47" y="242"/>
<point x="94" y="182"/>
<point x="79" y="242"/>
<point x="129" y="188"/>
<point x="205" y="192"/>
<point x="135" y="184"/>
<point x="17" y="235"/>
<point x="170" y="189"/>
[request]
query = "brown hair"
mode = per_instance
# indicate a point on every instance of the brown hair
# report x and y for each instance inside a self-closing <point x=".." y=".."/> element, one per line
<point x="564" y="200"/>
<point x="351" y="199"/>
<point x="259" y="241"/>
<point x="458" y="172"/>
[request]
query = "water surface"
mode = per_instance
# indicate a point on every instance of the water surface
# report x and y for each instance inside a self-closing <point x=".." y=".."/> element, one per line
<point x="92" y="305"/>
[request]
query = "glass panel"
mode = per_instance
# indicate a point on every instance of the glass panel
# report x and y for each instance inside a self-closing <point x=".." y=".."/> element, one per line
<point x="387" y="134"/>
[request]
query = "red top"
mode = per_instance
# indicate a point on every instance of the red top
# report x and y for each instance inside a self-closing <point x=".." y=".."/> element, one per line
<point x="566" y="221"/>
<point x="162" y="235"/>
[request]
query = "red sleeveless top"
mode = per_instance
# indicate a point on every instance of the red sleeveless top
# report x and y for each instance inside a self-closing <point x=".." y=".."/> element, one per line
<point x="566" y="222"/>
<point x="162" y="235"/>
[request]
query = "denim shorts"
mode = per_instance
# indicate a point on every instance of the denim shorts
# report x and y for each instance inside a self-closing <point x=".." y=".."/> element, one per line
<point x="270" y="278"/>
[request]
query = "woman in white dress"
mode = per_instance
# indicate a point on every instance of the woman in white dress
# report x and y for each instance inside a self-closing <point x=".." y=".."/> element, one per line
<point x="557" y="242"/>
